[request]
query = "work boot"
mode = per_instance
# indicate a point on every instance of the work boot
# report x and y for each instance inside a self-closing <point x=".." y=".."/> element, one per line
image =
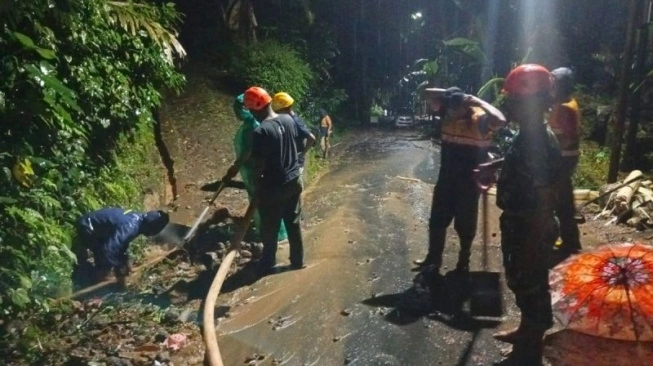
<point x="528" y="352"/>
<point x="429" y="260"/>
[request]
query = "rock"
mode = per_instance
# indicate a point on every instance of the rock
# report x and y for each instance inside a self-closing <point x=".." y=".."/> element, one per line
<point x="163" y="357"/>
<point x="246" y="254"/>
<point x="117" y="361"/>
<point x="345" y="312"/>
<point x="171" y="316"/>
<point x="140" y="339"/>
<point x="161" y="337"/>
<point x="185" y="315"/>
<point x="211" y="260"/>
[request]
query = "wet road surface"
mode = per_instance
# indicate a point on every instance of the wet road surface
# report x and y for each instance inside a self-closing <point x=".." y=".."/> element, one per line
<point x="356" y="303"/>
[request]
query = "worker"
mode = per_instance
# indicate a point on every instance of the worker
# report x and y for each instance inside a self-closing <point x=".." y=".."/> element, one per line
<point x="107" y="233"/>
<point x="278" y="189"/>
<point x="565" y="119"/>
<point x="326" y="128"/>
<point x="243" y="163"/>
<point x="468" y="125"/>
<point x="282" y="103"/>
<point x="526" y="192"/>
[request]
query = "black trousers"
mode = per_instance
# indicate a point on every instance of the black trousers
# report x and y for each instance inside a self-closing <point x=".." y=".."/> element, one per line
<point x="455" y="198"/>
<point x="276" y="204"/>
<point x="565" y="209"/>
<point x="528" y="278"/>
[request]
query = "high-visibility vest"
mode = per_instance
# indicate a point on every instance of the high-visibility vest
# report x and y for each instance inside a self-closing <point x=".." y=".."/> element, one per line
<point x="564" y="121"/>
<point x="473" y="130"/>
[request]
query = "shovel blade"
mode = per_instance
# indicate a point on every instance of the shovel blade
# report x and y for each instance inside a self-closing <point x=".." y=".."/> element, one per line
<point x="486" y="297"/>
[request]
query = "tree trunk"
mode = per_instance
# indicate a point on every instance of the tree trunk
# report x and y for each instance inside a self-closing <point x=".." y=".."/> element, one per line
<point x="622" y="103"/>
<point x="631" y="153"/>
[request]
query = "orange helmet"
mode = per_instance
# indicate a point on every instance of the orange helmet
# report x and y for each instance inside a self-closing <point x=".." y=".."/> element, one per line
<point x="528" y="80"/>
<point x="256" y="98"/>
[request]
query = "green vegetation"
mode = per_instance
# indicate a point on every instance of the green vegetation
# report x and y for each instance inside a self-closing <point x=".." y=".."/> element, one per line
<point x="80" y="81"/>
<point x="592" y="166"/>
<point x="274" y="66"/>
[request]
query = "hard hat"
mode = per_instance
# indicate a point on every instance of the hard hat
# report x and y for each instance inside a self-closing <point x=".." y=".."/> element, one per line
<point x="282" y="100"/>
<point x="256" y="98"/>
<point x="453" y="97"/>
<point x="154" y="222"/>
<point x="528" y="80"/>
<point x="564" y="79"/>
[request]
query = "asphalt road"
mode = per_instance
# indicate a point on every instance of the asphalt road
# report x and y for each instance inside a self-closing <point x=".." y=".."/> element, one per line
<point x="357" y="303"/>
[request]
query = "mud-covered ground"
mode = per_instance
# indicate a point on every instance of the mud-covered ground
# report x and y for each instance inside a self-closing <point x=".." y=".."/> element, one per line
<point x="360" y="301"/>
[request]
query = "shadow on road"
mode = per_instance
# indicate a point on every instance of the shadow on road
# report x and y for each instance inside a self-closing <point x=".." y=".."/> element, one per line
<point x="441" y="298"/>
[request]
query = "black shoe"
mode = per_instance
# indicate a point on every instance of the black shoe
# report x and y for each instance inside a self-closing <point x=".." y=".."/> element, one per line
<point x="297" y="266"/>
<point x="265" y="271"/>
<point x="424" y="262"/>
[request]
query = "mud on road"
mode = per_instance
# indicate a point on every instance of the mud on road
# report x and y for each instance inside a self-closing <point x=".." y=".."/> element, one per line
<point x="357" y="303"/>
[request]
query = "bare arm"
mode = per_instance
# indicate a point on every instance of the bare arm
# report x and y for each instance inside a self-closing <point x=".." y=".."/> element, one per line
<point x="310" y="141"/>
<point x="491" y="110"/>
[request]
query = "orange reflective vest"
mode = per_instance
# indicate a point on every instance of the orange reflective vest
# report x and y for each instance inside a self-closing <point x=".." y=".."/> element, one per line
<point x="565" y="124"/>
<point x="475" y="129"/>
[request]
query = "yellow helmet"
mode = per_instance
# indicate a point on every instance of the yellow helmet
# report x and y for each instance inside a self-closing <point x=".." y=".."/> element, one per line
<point x="281" y="100"/>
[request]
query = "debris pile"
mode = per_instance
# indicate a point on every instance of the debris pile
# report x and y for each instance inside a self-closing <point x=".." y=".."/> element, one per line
<point x="631" y="204"/>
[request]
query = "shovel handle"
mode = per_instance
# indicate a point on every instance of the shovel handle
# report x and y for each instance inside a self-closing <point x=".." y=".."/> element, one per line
<point x="484" y="213"/>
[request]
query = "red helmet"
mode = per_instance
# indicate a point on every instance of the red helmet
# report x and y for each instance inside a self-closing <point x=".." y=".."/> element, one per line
<point x="528" y="80"/>
<point x="256" y="98"/>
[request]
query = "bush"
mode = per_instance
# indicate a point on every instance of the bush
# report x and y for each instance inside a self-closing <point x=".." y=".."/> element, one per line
<point x="593" y="164"/>
<point x="61" y="157"/>
<point x="272" y="66"/>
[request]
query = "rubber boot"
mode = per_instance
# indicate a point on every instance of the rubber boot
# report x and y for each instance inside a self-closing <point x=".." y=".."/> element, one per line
<point x="529" y="351"/>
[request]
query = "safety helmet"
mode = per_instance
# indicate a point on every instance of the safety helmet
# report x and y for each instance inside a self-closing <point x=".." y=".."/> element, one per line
<point x="564" y="80"/>
<point x="256" y="98"/>
<point x="528" y="80"/>
<point x="154" y="222"/>
<point x="453" y="97"/>
<point x="282" y="100"/>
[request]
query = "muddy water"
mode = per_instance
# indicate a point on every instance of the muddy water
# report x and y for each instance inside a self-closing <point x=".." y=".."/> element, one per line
<point x="365" y="222"/>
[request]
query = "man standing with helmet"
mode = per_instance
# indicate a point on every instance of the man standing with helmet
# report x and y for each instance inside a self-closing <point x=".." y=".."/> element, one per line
<point x="526" y="192"/>
<point x="467" y="129"/>
<point x="278" y="188"/>
<point x="565" y="120"/>
<point x="282" y="103"/>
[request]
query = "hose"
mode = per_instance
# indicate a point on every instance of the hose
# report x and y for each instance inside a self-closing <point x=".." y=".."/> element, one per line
<point x="212" y="356"/>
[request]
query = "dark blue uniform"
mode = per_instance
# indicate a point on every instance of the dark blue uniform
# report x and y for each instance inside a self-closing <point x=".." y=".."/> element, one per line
<point x="109" y="231"/>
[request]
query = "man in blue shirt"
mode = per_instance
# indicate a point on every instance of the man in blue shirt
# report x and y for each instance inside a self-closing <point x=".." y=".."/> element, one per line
<point x="107" y="233"/>
<point x="282" y="103"/>
<point x="278" y="190"/>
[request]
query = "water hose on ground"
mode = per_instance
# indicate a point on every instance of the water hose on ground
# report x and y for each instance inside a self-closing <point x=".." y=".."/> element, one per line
<point x="212" y="356"/>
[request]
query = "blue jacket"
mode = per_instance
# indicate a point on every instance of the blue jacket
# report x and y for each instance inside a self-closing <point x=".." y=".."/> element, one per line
<point x="109" y="231"/>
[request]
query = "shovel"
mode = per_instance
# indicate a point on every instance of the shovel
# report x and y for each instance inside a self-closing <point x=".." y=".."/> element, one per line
<point x="193" y="229"/>
<point x="486" y="286"/>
